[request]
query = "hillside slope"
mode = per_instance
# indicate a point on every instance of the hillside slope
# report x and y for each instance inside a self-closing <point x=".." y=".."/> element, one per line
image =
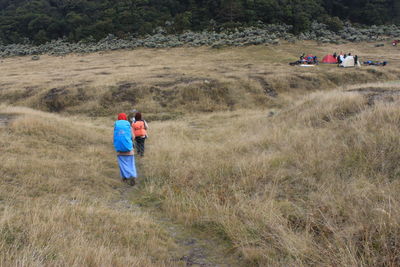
<point x="316" y="184"/>
<point x="284" y="165"/>
<point x="166" y="83"/>
<point x="59" y="186"/>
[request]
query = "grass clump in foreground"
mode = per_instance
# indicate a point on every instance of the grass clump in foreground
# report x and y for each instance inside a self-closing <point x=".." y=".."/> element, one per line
<point x="317" y="184"/>
<point x="57" y="207"/>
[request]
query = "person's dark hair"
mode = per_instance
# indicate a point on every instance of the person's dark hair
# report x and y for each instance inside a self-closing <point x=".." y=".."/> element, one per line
<point x="138" y="116"/>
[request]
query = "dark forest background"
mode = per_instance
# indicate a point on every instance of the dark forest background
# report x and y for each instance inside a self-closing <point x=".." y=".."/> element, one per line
<point x="42" y="20"/>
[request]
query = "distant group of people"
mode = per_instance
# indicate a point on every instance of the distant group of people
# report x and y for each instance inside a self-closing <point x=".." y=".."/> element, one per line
<point x="342" y="57"/>
<point x="128" y="136"/>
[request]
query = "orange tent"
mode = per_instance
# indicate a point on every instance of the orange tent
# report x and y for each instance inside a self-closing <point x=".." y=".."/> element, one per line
<point x="329" y="59"/>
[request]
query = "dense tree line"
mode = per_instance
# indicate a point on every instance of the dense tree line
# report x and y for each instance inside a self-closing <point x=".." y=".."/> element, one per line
<point x="42" y="20"/>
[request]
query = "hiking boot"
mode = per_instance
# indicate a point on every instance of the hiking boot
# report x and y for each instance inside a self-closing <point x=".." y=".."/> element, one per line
<point x="132" y="182"/>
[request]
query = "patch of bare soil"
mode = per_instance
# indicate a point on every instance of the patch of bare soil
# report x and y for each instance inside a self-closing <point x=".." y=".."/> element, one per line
<point x="164" y="75"/>
<point x="268" y="89"/>
<point x="163" y="96"/>
<point x="59" y="98"/>
<point x="53" y="99"/>
<point x="103" y="73"/>
<point x="233" y="77"/>
<point x="378" y="94"/>
<point x="5" y="84"/>
<point x="5" y="119"/>
<point x="13" y="96"/>
<point x="183" y="80"/>
<point x="124" y="92"/>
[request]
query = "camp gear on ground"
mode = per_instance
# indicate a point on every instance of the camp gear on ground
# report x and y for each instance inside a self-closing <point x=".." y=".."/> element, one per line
<point x="122" y="136"/>
<point x="127" y="166"/>
<point x="305" y="60"/>
<point x="375" y="63"/>
<point x="309" y="57"/>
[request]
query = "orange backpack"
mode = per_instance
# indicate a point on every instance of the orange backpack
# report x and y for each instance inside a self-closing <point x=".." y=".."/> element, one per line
<point x="139" y="129"/>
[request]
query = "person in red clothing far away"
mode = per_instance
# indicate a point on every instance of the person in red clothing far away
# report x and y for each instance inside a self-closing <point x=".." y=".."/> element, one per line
<point x="140" y="128"/>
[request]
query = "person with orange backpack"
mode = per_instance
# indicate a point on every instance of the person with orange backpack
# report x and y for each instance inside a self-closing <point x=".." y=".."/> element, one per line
<point x="140" y="128"/>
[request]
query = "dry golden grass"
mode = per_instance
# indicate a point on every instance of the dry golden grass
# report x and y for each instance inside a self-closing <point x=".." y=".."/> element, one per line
<point x="317" y="184"/>
<point x="181" y="80"/>
<point x="59" y="199"/>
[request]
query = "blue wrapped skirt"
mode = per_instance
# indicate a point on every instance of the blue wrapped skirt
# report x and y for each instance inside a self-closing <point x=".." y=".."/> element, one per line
<point x="127" y="166"/>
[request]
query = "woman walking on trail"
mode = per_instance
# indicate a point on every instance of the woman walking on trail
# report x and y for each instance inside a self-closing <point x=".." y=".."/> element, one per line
<point x="140" y="131"/>
<point x="123" y="144"/>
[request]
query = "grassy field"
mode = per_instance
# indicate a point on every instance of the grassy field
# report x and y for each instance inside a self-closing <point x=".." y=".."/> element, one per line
<point x="284" y="166"/>
<point x="167" y="83"/>
<point x="316" y="184"/>
<point x="59" y="198"/>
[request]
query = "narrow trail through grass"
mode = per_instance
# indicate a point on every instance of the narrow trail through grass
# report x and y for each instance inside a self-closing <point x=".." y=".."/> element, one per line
<point x="194" y="247"/>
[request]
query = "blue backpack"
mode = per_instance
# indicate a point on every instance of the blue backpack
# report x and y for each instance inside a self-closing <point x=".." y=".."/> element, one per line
<point x="123" y="136"/>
